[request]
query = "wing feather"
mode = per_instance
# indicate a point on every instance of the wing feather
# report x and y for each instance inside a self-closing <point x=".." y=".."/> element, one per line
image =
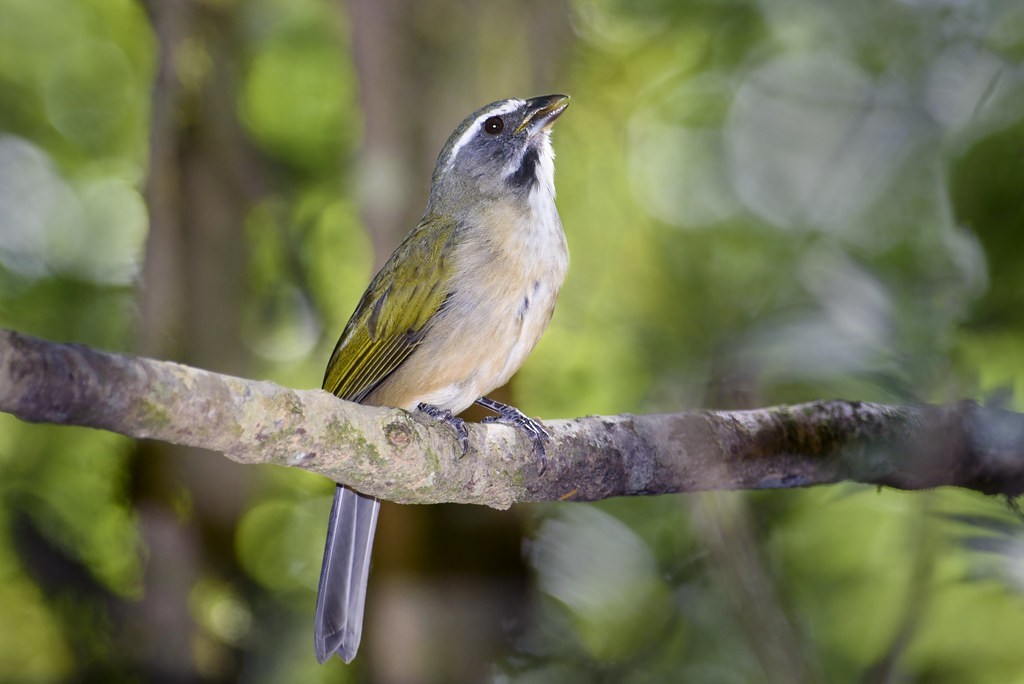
<point x="390" y="320"/>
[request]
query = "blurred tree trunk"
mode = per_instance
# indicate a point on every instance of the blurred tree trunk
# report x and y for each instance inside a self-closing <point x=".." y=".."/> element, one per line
<point x="422" y="67"/>
<point x="199" y="186"/>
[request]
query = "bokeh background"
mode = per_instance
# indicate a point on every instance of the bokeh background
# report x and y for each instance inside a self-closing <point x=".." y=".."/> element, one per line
<point x="766" y="202"/>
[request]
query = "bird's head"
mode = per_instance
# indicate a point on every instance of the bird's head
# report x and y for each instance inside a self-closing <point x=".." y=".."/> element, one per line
<point x="500" y="152"/>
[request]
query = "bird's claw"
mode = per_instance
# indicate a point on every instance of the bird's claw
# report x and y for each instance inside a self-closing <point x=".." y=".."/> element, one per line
<point x="510" y="415"/>
<point x="456" y="424"/>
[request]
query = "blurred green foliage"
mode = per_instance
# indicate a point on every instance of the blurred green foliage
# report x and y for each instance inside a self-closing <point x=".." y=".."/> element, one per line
<point x="765" y="202"/>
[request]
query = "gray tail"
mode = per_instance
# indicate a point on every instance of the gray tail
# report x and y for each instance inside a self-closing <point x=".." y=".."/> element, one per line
<point x="342" y="594"/>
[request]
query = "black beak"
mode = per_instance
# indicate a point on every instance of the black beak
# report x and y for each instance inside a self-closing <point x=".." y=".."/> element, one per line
<point x="542" y="112"/>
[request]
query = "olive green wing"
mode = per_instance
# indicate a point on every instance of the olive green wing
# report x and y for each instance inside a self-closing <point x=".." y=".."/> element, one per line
<point x="390" y="320"/>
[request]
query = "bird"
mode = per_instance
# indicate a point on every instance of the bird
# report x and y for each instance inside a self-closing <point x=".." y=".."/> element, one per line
<point x="450" y="317"/>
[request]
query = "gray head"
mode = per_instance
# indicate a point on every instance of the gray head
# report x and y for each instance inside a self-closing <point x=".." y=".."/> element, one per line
<point x="500" y="151"/>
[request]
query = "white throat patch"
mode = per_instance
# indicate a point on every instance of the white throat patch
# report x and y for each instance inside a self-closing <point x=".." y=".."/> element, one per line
<point x="545" y="169"/>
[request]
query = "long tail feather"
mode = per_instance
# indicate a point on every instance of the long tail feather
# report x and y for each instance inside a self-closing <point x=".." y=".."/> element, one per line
<point x="341" y="597"/>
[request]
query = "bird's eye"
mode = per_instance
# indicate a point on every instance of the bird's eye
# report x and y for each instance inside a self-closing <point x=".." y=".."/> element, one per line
<point x="494" y="125"/>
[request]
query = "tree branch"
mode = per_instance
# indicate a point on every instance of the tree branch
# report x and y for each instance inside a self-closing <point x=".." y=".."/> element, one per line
<point x="410" y="458"/>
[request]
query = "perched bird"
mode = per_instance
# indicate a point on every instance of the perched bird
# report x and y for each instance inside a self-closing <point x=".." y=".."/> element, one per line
<point x="451" y="316"/>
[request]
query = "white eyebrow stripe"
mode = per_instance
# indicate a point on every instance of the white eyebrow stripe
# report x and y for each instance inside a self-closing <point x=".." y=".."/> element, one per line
<point x="467" y="135"/>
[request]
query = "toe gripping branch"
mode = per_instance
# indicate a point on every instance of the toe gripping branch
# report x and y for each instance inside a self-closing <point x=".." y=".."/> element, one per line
<point x="510" y="415"/>
<point x="445" y="416"/>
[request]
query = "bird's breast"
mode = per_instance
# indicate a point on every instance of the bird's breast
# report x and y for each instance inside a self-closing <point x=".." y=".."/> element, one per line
<point x="507" y="275"/>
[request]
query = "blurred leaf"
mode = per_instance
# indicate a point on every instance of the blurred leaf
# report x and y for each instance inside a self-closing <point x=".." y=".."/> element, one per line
<point x="279" y="542"/>
<point x="298" y="95"/>
<point x="606" y="578"/>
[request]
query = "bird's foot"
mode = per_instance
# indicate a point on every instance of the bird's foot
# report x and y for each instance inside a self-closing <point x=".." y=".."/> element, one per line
<point x="445" y="416"/>
<point x="510" y="415"/>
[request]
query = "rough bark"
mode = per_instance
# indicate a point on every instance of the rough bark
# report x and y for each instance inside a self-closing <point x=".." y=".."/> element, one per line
<point x="410" y="458"/>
